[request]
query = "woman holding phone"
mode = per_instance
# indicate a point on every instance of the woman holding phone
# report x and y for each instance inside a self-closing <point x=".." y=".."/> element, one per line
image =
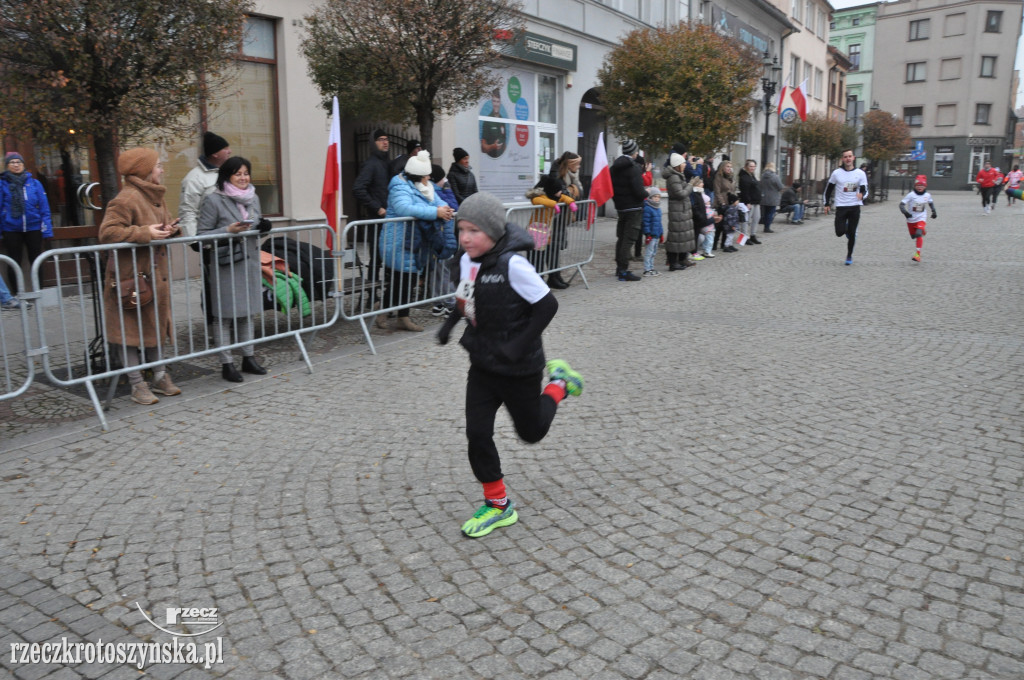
<point x="233" y="209"/>
<point x="138" y="214"/>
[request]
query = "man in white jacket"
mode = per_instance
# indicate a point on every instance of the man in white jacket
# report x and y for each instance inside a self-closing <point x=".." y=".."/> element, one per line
<point x="200" y="180"/>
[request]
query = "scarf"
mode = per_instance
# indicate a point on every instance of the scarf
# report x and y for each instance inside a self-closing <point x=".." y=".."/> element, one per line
<point x="243" y="198"/>
<point x="572" y="179"/>
<point x="17" y="183"/>
<point x="426" y="189"/>
<point x="154" y="193"/>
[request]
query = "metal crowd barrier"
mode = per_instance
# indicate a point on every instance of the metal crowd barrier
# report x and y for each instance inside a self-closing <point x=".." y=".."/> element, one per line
<point x="368" y="288"/>
<point x="73" y="343"/>
<point x="16" y="348"/>
<point x="570" y="236"/>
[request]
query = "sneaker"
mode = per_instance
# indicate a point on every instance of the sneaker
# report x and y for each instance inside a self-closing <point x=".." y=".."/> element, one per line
<point x="709" y="254"/>
<point x="166" y="386"/>
<point x="142" y="395"/>
<point x="696" y="257"/>
<point x="730" y="249"/>
<point x="439" y="310"/>
<point x="559" y="369"/>
<point x="628" y="276"/>
<point x="488" y="518"/>
<point x="13" y="303"/>
<point x="849" y="260"/>
<point x="650" y="272"/>
<point x="916" y="257"/>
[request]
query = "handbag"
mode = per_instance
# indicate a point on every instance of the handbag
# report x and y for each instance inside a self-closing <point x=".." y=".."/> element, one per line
<point x="541" y="233"/>
<point x="227" y="256"/>
<point x="135" y="291"/>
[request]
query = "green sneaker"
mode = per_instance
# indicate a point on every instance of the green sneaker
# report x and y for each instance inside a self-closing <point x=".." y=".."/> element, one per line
<point x="487" y="519"/>
<point x="560" y="370"/>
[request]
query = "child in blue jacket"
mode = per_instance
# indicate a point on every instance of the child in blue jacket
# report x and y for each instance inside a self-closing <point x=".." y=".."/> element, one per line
<point x="652" y="230"/>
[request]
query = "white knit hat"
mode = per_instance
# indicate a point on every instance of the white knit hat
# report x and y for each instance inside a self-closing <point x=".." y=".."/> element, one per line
<point x="419" y="165"/>
<point x="675" y="160"/>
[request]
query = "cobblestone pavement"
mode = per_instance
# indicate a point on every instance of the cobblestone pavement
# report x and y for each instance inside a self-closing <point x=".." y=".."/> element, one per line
<point x="781" y="467"/>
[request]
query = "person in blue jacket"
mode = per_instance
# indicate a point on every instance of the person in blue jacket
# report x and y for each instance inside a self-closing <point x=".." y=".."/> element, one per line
<point x="408" y="248"/>
<point x="24" y="211"/>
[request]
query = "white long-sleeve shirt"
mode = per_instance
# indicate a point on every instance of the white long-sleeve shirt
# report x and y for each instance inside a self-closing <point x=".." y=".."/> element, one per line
<point x="848" y="183"/>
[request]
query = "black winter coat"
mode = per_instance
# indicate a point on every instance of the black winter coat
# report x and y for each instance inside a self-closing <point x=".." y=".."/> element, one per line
<point x="750" y="188"/>
<point x="371" y="185"/>
<point x="462" y="181"/>
<point x="628" y="191"/>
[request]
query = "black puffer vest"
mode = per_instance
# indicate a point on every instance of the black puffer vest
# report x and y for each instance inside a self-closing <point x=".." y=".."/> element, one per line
<point x="500" y="312"/>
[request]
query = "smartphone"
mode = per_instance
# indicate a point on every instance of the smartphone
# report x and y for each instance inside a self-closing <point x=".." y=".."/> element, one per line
<point x="250" y="222"/>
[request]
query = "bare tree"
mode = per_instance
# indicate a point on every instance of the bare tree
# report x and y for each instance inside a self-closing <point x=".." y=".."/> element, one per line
<point x="112" y="69"/>
<point x="407" y="60"/>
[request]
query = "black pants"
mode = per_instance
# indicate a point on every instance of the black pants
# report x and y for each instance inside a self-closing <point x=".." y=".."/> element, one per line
<point x="15" y="243"/>
<point x="847" y="219"/>
<point x="531" y="411"/>
<point x="988" y="196"/>
<point x="627" y="231"/>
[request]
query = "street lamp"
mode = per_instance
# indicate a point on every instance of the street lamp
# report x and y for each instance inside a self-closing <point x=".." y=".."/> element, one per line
<point x="769" y="82"/>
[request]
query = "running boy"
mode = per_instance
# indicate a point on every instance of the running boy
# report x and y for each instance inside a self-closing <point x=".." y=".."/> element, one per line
<point x="913" y="206"/>
<point x="507" y="306"/>
<point x="850" y="186"/>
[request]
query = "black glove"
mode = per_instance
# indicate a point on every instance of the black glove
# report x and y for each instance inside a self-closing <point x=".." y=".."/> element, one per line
<point x="264" y="226"/>
<point x="935" y="215"/>
<point x="445" y="331"/>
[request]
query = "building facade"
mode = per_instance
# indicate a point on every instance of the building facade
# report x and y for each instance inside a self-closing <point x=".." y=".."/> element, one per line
<point x="853" y="34"/>
<point x="947" y="69"/>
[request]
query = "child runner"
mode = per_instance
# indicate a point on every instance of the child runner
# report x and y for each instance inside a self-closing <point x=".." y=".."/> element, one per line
<point x="652" y="230"/>
<point x="507" y="306"/>
<point x="850" y="186"/>
<point x="1012" y="181"/>
<point x="913" y="206"/>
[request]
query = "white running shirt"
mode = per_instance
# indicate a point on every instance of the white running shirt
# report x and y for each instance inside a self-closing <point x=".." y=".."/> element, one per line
<point x="848" y="183"/>
<point x="917" y="204"/>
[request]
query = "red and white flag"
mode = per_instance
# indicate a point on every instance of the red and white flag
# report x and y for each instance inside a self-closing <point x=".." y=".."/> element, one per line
<point x="331" y="196"/>
<point x="741" y="239"/>
<point x="799" y="98"/>
<point x="782" y="98"/>
<point x="601" y="182"/>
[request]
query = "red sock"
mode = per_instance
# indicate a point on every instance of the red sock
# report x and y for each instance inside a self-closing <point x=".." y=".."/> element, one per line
<point x="920" y="242"/>
<point x="494" y="492"/>
<point x="556" y="390"/>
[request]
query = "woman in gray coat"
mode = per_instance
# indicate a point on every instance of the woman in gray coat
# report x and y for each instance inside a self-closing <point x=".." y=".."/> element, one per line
<point x="680" y="241"/>
<point x="233" y="209"/>
<point x="771" y="195"/>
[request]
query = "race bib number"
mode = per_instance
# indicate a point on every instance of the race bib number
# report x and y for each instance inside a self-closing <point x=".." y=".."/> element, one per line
<point x="851" y="186"/>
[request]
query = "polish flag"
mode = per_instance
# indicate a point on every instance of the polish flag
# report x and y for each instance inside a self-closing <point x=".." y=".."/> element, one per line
<point x="741" y="239"/>
<point x="331" y="196"/>
<point x="601" y="184"/>
<point x="782" y="98"/>
<point x="799" y="98"/>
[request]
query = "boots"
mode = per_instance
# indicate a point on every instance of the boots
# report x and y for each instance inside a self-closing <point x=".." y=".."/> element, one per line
<point x="249" y="365"/>
<point x="555" y="281"/>
<point x="381" y="322"/>
<point x="142" y="395"/>
<point x="406" y="323"/>
<point x="230" y="373"/>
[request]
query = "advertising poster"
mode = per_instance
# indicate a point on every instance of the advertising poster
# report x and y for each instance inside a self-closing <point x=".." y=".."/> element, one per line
<point x="506" y="164"/>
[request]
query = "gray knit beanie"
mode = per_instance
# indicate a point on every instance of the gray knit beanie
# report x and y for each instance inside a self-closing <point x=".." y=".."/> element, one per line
<point x="485" y="211"/>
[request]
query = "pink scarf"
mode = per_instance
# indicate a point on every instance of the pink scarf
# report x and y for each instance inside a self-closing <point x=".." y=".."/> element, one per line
<point x="242" y="197"/>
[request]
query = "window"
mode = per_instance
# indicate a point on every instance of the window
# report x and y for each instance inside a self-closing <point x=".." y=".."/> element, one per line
<point x="993" y="21"/>
<point x="943" y="162"/>
<point x="832" y="25"/>
<point x="981" y="114"/>
<point x="988" y="67"/>
<point x="856" y="21"/>
<point x="913" y="115"/>
<point x="819" y="80"/>
<point x="919" y="29"/>
<point x="796" y="9"/>
<point x="949" y="69"/>
<point x="809" y="15"/>
<point x="794" y="72"/>
<point x="854" y="57"/>
<point x="956" y="24"/>
<point x="917" y="71"/>
<point x="249" y="116"/>
<point x="547" y="99"/>
<point x="821" y="24"/>
<point x="945" y="114"/>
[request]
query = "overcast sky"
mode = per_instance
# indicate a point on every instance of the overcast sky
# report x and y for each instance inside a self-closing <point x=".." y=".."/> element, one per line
<point x="1018" y="62"/>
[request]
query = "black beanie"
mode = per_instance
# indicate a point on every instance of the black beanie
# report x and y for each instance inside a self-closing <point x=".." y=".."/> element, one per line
<point x="459" y="153"/>
<point x="212" y="143"/>
<point x="378" y="133"/>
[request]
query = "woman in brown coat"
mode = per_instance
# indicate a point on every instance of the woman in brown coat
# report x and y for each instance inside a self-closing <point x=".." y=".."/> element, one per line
<point x="138" y="214"/>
